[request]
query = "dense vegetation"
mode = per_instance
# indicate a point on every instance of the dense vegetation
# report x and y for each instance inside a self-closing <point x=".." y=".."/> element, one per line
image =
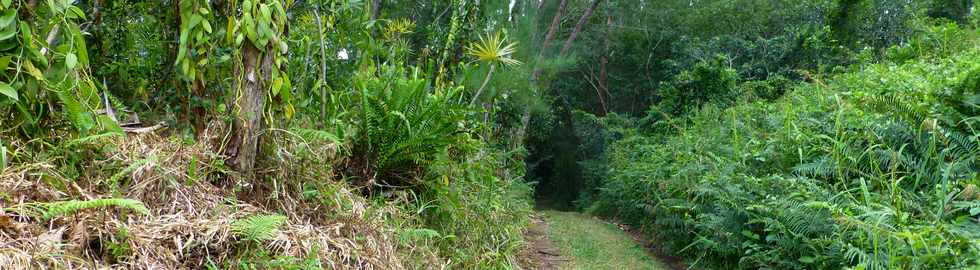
<point x="801" y="137"/>
<point x="254" y="134"/>
<point x="391" y="134"/>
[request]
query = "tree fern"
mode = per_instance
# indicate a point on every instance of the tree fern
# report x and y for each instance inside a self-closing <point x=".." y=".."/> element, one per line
<point x="258" y="228"/>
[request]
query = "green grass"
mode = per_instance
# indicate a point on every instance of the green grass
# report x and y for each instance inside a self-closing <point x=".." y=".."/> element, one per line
<point x="593" y="244"/>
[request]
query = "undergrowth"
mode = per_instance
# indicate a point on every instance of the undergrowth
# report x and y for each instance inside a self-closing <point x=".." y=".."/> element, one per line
<point x="874" y="168"/>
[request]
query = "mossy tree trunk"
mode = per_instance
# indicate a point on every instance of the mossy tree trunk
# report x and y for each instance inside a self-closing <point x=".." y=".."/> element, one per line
<point x="248" y="105"/>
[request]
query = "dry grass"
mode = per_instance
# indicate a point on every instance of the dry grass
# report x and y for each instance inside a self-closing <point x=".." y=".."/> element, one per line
<point x="190" y="220"/>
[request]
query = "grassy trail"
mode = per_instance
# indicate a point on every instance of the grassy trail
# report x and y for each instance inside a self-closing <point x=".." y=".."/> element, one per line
<point x="590" y="243"/>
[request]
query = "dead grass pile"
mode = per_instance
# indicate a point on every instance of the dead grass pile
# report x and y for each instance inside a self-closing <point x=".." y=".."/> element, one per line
<point x="190" y="220"/>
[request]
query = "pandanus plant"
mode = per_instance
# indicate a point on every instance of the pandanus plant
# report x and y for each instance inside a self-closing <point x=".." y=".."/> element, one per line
<point x="493" y="50"/>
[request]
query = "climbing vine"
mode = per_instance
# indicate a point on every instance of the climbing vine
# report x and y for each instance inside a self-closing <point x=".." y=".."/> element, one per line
<point x="263" y="25"/>
<point x="45" y="76"/>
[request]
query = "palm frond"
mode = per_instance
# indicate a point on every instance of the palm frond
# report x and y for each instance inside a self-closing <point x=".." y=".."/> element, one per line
<point x="494" y="49"/>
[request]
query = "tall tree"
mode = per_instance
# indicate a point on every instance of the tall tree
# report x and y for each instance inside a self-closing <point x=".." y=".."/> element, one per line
<point x="578" y="26"/>
<point x="552" y="31"/>
<point x="536" y="72"/>
<point x="262" y="23"/>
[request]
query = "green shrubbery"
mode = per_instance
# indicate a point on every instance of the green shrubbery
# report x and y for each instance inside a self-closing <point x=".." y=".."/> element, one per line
<point x="871" y="169"/>
<point x="349" y="106"/>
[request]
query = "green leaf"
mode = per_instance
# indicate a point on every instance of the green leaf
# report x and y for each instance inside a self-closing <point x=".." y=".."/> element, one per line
<point x="9" y="16"/>
<point x="36" y="73"/>
<point x="7" y="33"/>
<point x="8" y="91"/>
<point x="276" y="86"/>
<point x="206" y="25"/>
<point x="25" y="34"/>
<point x="4" y="62"/>
<point x="71" y="61"/>
<point x="108" y="124"/>
<point x="80" y="47"/>
<point x="75" y="111"/>
<point x="266" y="12"/>
<point x="230" y="31"/>
<point x="77" y="12"/>
<point x="3" y="157"/>
<point x="249" y="25"/>
<point x="6" y="3"/>
<point x="195" y="19"/>
<point x="807" y="259"/>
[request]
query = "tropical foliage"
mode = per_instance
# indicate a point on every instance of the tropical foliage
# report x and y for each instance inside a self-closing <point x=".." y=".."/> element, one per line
<point x="394" y="134"/>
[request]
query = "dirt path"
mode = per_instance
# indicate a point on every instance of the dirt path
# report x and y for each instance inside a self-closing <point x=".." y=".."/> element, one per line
<point x="571" y="240"/>
<point x="541" y="253"/>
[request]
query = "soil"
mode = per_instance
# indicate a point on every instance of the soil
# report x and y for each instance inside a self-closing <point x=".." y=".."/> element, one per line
<point x="541" y="253"/>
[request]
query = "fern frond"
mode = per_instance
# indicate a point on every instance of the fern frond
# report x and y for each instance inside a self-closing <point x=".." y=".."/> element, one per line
<point x="114" y="180"/>
<point x="822" y="167"/>
<point x="50" y="210"/>
<point x="89" y="139"/>
<point x="893" y="106"/>
<point x="317" y="135"/>
<point x="258" y="228"/>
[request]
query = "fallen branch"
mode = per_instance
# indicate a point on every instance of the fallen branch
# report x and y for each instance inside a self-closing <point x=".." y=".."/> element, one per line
<point x="141" y="130"/>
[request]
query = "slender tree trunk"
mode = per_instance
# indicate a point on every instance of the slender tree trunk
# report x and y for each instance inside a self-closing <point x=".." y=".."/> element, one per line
<point x="603" y="61"/>
<point x="515" y="12"/>
<point x="248" y="106"/>
<point x="323" y="66"/>
<point x="199" y="118"/>
<point x="578" y="27"/>
<point x="484" y="85"/>
<point x="552" y="30"/>
<point x="375" y="9"/>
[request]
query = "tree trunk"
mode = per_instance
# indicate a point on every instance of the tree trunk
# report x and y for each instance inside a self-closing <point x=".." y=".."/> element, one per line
<point x="603" y="61"/>
<point x="552" y="30"/>
<point x="515" y="13"/>
<point x="323" y="66"/>
<point x="375" y="9"/>
<point x="484" y="85"/>
<point x="248" y="107"/>
<point x="578" y="27"/>
<point x="199" y="118"/>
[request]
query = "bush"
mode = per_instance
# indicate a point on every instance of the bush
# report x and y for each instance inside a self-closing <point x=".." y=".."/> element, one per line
<point x="400" y="125"/>
<point x="873" y="169"/>
<point x="710" y="81"/>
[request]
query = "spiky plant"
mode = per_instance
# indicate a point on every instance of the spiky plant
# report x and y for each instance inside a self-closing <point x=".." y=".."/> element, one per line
<point x="401" y="128"/>
<point x="492" y="50"/>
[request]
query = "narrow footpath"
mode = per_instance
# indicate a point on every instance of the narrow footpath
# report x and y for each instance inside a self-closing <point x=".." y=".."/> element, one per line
<point x="571" y="240"/>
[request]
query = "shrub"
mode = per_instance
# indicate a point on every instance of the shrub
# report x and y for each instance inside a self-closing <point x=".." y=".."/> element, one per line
<point x="864" y="171"/>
